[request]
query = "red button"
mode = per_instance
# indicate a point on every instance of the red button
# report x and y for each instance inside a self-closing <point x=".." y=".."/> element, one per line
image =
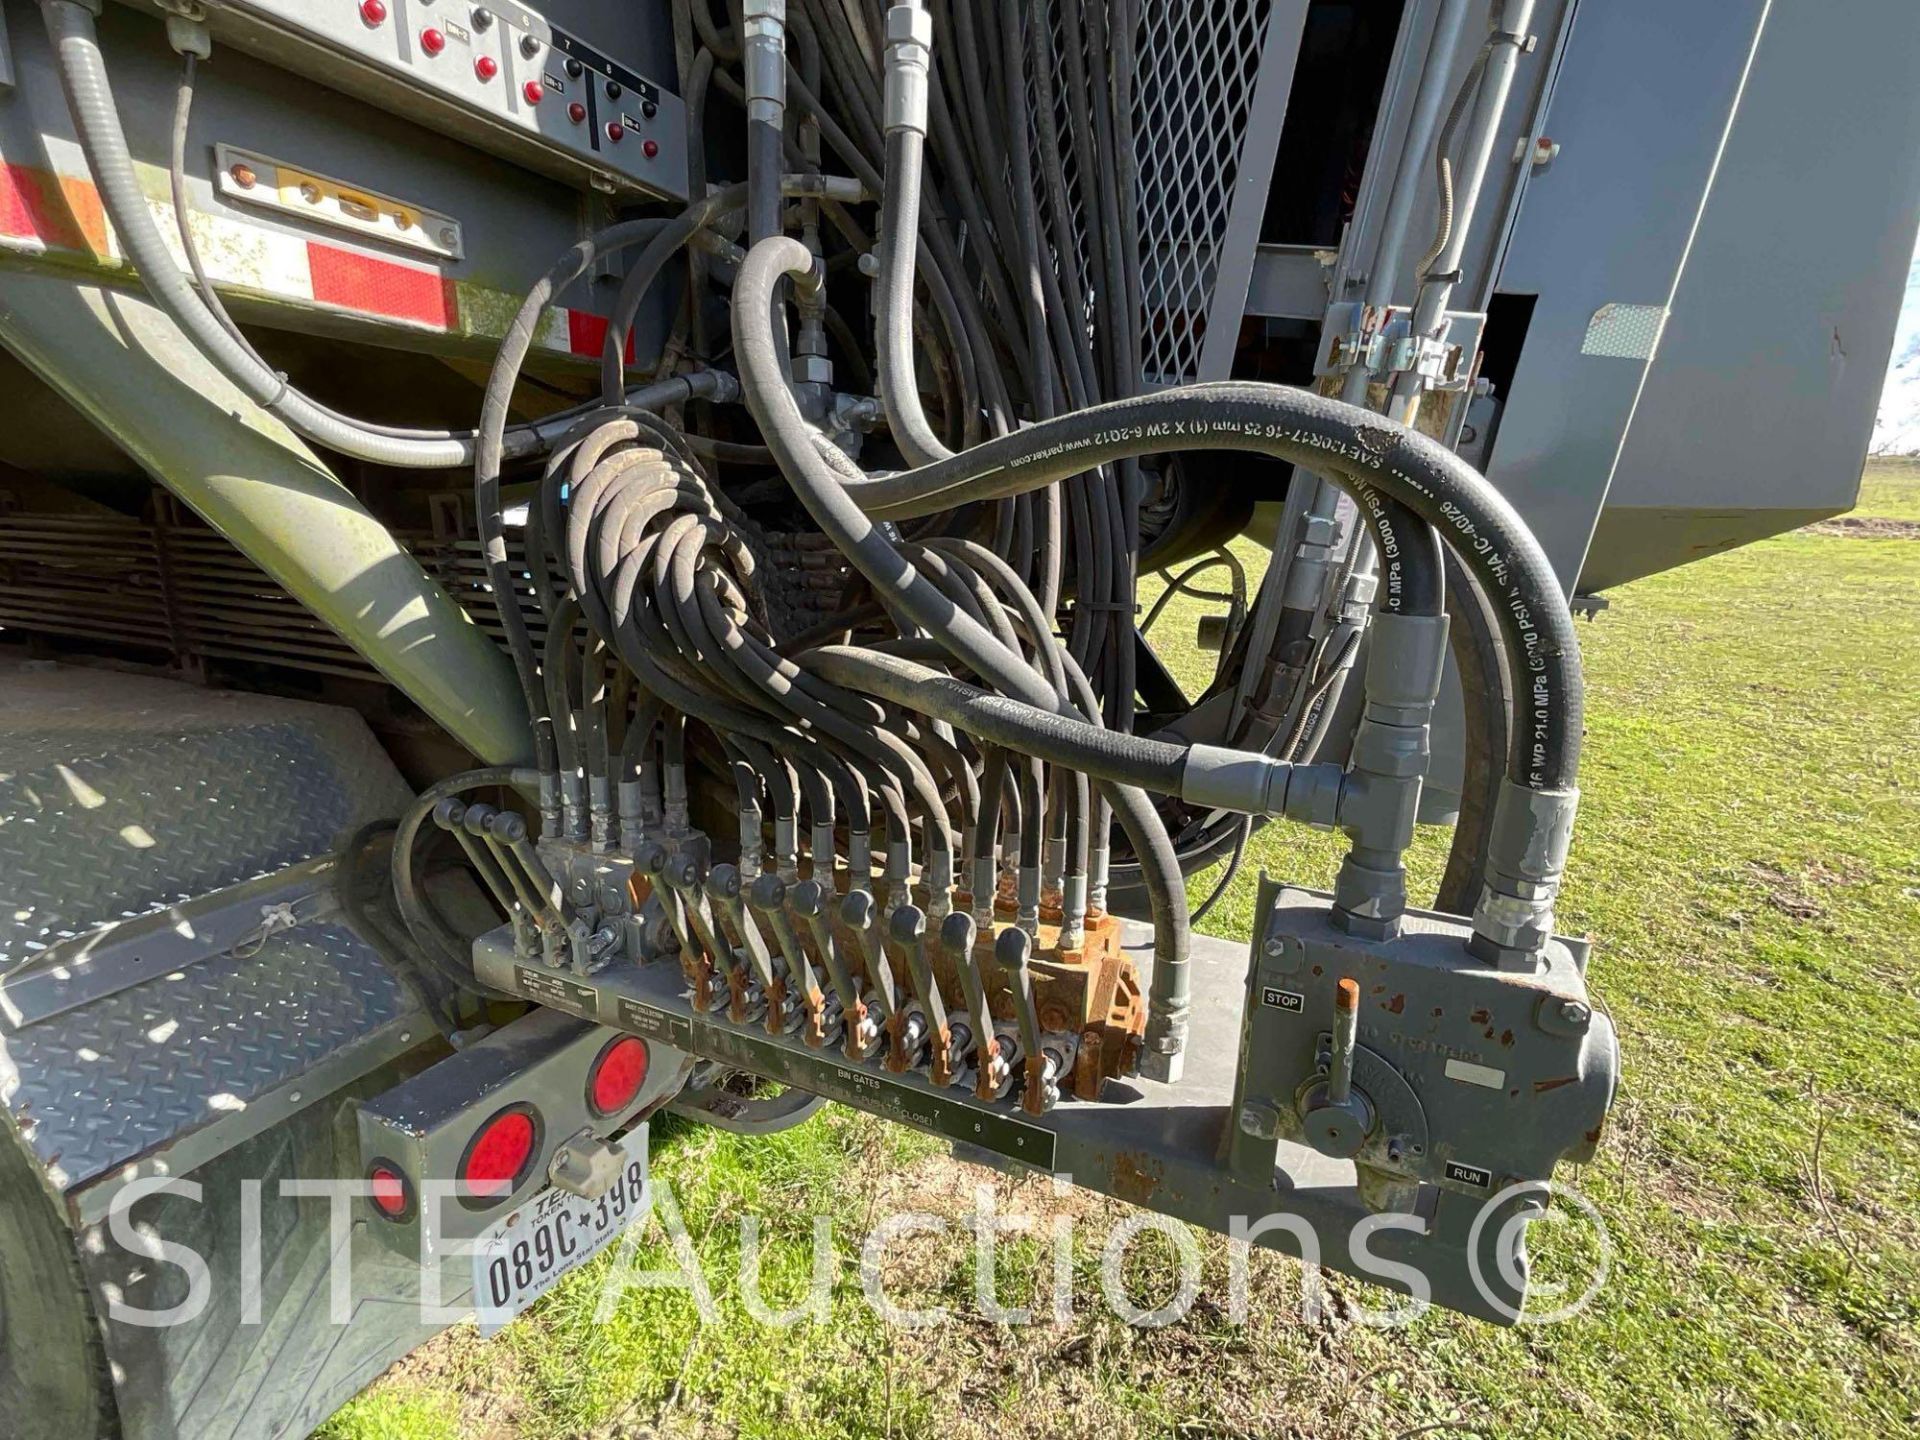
<point x="649" y="148"/>
<point x="486" y="67"/>
<point x="432" y="41"/>
<point x="374" y="12"/>
<point x="615" y="130"/>
<point x="533" y="91"/>
<point x="576" y="112"/>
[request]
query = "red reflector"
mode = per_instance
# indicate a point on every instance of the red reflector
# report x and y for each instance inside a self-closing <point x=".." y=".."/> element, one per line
<point x="379" y="287"/>
<point x="617" y="1075"/>
<point x="389" y="1191"/>
<point x="498" y="1157"/>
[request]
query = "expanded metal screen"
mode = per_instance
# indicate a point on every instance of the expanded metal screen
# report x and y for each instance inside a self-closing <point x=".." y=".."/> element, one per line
<point x="1193" y="96"/>
<point x="1195" y="70"/>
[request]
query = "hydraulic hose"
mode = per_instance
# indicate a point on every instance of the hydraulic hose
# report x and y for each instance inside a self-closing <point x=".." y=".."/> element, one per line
<point x="490" y="457"/>
<point x="805" y="460"/>
<point x="1112" y="755"/>
<point x="447" y="952"/>
<point x="1473" y="519"/>
<point x="893" y="318"/>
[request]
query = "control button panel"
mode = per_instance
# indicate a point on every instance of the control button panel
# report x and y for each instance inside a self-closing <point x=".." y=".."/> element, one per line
<point x="496" y="76"/>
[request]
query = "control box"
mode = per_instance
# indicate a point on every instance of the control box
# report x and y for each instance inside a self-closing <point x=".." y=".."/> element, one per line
<point x="497" y="76"/>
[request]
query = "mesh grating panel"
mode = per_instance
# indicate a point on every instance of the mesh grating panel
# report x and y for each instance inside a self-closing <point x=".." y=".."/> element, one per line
<point x="1192" y="98"/>
<point x="1193" y="83"/>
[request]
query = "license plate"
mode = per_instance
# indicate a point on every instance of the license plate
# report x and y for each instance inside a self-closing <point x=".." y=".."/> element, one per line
<point x="518" y="1259"/>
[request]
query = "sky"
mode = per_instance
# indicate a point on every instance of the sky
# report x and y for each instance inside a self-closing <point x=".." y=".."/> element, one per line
<point x="1897" y="432"/>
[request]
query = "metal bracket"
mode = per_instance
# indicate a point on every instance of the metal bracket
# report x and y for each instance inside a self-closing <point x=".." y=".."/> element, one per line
<point x="1379" y="339"/>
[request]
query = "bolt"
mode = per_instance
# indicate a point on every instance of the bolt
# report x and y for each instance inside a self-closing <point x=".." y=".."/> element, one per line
<point x="1574" y="1013"/>
<point x="243" y="176"/>
<point x="1260" y="1119"/>
<point x="1276" y="946"/>
<point x="310" y="193"/>
<point x="449" y="237"/>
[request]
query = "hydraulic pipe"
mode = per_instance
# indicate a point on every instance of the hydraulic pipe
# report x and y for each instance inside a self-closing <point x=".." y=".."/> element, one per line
<point x="1483" y="136"/>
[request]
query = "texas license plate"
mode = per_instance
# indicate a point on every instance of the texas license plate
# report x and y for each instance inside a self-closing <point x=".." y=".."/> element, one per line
<point x="518" y="1259"/>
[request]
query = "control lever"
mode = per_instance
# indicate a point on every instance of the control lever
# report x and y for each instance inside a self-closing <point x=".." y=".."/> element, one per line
<point x="822" y="1026"/>
<point x="905" y="1022"/>
<point x="686" y="875"/>
<point x="862" y="1028"/>
<point x="1337" y="1116"/>
<point x="559" y="924"/>
<point x="475" y="824"/>
<point x="724" y="885"/>
<point x="910" y="1025"/>
<point x="450" y="815"/>
<point x="858" y="914"/>
<point x="1044" y="1064"/>
<point x="992" y="1072"/>
<point x="909" y="926"/>
<point x="650" y="860"/>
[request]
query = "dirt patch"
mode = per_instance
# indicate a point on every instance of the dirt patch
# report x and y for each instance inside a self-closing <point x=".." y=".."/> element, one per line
<point x="1788" y="894"/>
<point x="1868" y="527"/>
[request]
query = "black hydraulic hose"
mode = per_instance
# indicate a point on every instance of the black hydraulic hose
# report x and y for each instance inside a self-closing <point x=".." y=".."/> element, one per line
<point x="1032" y="291"/>
<point x="816" y="481"/>
<point x="448" y="952"/>
<point x="103" y="141"/>
<point x="1412" y="563"/>
<point x="520" y="439"/>
<point x="1155" y="765"/>
<point x="489" y="457"/>
<point x="646" y="268"/>
<point x="1472" y="518"/>
<point x="1474" y="640"/>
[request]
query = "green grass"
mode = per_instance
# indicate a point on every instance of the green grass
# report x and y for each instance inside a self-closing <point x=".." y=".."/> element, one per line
<point x="1748" y="863"/>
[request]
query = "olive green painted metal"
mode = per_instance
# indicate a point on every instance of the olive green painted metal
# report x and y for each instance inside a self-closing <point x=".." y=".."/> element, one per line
<point x="125" y="366"/>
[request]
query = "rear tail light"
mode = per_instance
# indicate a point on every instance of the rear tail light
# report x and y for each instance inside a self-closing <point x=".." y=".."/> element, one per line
<point x="618" y="1072"/>
<point x="391" y="1195"/>
<point x="499" y="1155"/>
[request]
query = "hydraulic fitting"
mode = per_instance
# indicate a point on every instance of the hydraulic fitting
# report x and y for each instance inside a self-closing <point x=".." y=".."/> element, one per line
<point x="1380" y="799"/>
<point x="909" y="63"/>
<point x="765" y="57"/>
<point x="1526" y="857"/>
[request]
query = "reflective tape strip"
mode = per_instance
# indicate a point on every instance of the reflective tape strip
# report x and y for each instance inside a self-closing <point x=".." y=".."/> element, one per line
<point x="46" y="211"/>
<point x="51" y="211"/>
<point x="587" y="334"/>
<point x="369" y="285"/>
